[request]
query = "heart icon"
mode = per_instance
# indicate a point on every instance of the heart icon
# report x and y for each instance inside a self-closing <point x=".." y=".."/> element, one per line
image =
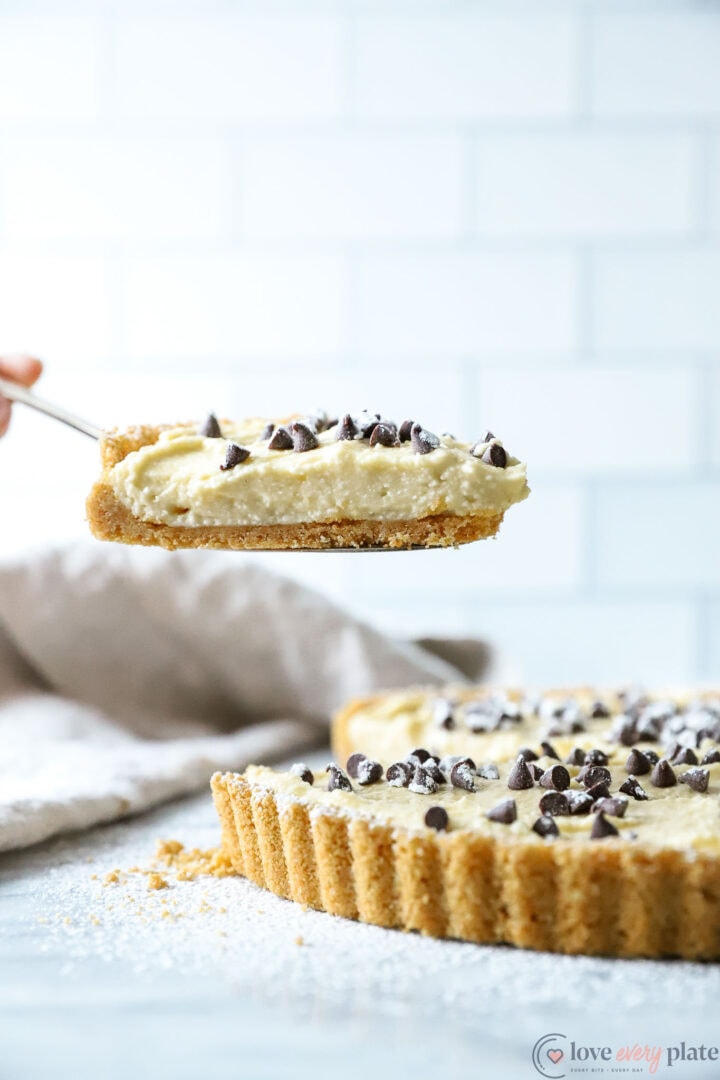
<point x="555" y="1056"/>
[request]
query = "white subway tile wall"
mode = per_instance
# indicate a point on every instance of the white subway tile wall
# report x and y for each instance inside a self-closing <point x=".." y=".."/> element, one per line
<point x="473" y="213"/>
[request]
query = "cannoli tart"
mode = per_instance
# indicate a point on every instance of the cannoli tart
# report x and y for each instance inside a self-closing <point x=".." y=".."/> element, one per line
<point x="602" y="840"/>
<point x="304" y="482"/>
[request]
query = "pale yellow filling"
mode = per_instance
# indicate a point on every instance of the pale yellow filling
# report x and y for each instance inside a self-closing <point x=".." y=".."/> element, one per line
<point x="178" y="481"/>
<point x="403" y="719"/>
<point x="673" y="818"/>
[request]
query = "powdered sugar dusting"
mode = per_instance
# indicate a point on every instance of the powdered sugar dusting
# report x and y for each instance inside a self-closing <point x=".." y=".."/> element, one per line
<point x="254" y="941"/>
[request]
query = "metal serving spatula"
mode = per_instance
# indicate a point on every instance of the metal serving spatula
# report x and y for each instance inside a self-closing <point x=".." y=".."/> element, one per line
<point x="14" y="392"/>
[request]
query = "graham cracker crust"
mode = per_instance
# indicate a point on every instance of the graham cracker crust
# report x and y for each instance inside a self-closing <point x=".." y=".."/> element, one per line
<point x="613" y="899"/>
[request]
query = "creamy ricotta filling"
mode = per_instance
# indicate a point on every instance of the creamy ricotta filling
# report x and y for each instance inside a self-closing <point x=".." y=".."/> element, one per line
<point x="178" y="480"/>
<point x="675" y="817"/>
<point x="406" y="718"/>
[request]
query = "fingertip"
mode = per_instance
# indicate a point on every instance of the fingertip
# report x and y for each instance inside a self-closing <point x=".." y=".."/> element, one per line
<point x="4" y="415"/>
<point x="33" y="369"/>
<point x="22" y="369"/>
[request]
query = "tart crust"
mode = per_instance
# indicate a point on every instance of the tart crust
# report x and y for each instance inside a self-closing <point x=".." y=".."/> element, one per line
<point x="609" y="898"/>
<point x="648" y="886"/>
<point x="111" y="519"/>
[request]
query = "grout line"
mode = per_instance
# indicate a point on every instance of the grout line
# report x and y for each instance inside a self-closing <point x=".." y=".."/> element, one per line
<point x="471" y="380"/>
<point x="704" y="414"/>
<point x="499" y="127"/>
<point x="390" y="246"/>
<point x="349" y="356"/>
<point x="108" y="75"/>
<point x="469" y="190"/>
<point x="586" y="302"/>
<point x="705" y="188"/>
<point x="703" y="620"/>
<point x="584" y="74"/>
<point x="590" y="547"/>
<point x="348" y="91"/>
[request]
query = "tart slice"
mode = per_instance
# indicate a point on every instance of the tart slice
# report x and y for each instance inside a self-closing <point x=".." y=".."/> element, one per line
<point x="306" y="482"/>
<point x="536" y="854"/>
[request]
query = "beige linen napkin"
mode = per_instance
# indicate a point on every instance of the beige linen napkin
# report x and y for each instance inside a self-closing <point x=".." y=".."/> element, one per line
<point x="127" y="676"/>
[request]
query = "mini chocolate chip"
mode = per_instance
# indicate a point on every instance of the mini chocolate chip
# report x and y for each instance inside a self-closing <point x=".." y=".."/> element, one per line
<point x="322" y="421"/>
<point x="495" y="455"/>
<point x="711" y="757"/>
<point x="338" y="781"/>
<point x="489" y="771"/>
<point x="663" y="775"/>
<point x="600" y="790"/>
<point x="626" y="734"/>
<point x="685" y="756"/>
<point x="575" y="757"/>
<point x="351" y="765"/>
<point x="602" y="828"/>
<point x="535" y="769"/>
<point x="447" y="763"/>
<point x="487" y="437"/>
<point x="433" y="769"/>
<point x="596" y="757"/>
<point x="405" y="430"/>
<point x="420" y="754"/>
<point x="461" y="775"/>
<point x="590" y="775"/>
<point x="505" y="812"/>
<point x="303" y="771"/>
<point x="599" y="711"/>
<point x="579" y="801"/>
<point x="549" y="750"/>
<point x="347" y="429"/>
<point x="442" y="714"/>
<point x="437" y="818"/>
<point x="697" y="779"/>
<point x="632" y="787"/>
<point x="527" y="754"/>
<point x="211" y="429"/>
<point x="637" y="763"/>
<point x="520" y="776"/>
<point x="652" y="756"/>
<point x="267" y="432"/>
<point x="672" y="749"/>
<point x="613" y="805"/>
<point x="367" y="424"/>
<point x="423" y="442"/>
<point x="554" y="802"/>
<point x="546" y="826"/>
<point x="398" y="775"/>
<point x="281" y="440"/>
<point x="304" y="438"/>
<point x="556" y="777"/>
<point x="384" y="435"/>
<point x="369" y="772"/>
<point x="422" y="783"/>
<point x="234" y="455"/>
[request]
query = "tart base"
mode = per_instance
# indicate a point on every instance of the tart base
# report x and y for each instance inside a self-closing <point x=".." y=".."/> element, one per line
<point x="610" y="899"/>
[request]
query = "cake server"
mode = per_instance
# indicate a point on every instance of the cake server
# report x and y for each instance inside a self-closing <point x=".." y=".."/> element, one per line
<point x="15" y="392"/>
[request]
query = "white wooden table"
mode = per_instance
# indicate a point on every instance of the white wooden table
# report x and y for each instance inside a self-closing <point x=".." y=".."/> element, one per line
<point x="95" y="981"/>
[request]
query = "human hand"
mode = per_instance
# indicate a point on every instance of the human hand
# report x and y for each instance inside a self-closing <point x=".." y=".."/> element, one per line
<point x="21" y="369"/>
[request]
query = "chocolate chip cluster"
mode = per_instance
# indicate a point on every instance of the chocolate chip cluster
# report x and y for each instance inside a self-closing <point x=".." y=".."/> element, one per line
<point x="424" y="774"/>
<point x="676" y="726"/>
<point x="302" y="435"/>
